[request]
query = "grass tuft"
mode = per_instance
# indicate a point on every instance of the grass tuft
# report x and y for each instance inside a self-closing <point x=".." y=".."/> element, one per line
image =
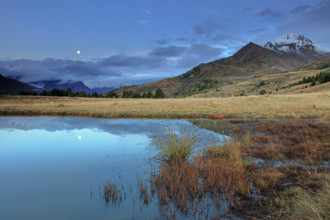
<point x="176" y="146"/>
<point x="312" y="205"/>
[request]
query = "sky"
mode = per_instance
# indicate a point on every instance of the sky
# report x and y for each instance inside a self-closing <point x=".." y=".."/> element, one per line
<point x="125" y="42"/>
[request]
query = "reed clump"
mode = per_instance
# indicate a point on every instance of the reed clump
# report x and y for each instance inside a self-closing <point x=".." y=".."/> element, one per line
<point x="176" y="145"/>
<point x="224" y="169"/>
<point x="220" y="172"/>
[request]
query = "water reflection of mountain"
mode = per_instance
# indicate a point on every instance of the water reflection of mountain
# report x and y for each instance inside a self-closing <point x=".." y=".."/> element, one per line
<point x="218" y="126"/>
<point x="114" y="126"/>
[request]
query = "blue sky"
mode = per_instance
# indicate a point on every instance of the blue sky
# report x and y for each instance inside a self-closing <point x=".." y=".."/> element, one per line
<point x="129" y="42"/>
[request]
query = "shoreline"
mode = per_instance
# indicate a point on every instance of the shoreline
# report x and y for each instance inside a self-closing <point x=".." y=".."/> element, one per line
<point x="127" y="116"/>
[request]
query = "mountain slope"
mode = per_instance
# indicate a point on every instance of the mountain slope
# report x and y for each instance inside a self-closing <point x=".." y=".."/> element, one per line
<point x="250" y="60"/>
<point x="277" y="83"/>
<point x="13" y="86"/>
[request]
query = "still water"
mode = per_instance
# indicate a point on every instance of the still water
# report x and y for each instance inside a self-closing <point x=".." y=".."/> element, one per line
<point x="56" y="168"/>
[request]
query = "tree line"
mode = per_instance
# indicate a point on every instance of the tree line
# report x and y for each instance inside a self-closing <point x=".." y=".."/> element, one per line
<point x="159" y="94"/>
<point x="321" y="77"/>
<point x="112" y="94"/>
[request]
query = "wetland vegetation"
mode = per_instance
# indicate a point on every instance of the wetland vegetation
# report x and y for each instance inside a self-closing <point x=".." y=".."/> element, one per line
<point x="194" y="168"/>
<point x="268" y="170"/>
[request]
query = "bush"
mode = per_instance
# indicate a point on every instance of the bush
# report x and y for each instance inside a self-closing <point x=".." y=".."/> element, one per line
<point x="82" y="94"/>
<point x="262" y="92"/>
<point x="262" y="83"/>
<point x="111" y="94"/>
<point x="313" y="83"/>
<point x="159" y="94"/>
<point x="95" y="95"/>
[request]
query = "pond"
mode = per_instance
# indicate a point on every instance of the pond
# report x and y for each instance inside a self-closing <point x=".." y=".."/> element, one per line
<point x="57" y="168"/>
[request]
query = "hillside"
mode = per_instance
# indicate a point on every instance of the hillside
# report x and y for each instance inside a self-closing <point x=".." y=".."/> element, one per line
<point x="277" y="83"/>
<point x="251" y="61"/>
<point x="12" y="86"/>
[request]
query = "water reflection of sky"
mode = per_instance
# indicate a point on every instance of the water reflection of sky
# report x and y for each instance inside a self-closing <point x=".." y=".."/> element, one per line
<point x="113" y="126"/>
<point x="46" y="170"/>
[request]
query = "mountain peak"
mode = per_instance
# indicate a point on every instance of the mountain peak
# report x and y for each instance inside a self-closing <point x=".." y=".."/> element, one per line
<point x="248" y="52"/>
<point x="252" y="44"/>
<point x="294" y="43"/>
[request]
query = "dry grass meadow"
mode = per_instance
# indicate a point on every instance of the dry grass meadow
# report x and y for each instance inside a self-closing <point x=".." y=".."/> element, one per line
<point x="268" y="106"/>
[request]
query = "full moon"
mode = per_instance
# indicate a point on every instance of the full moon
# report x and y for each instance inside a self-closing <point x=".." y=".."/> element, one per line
<point x="78" y="51"/>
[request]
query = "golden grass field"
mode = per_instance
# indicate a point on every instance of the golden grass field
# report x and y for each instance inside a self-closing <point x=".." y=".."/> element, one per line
<point x="315" y="104"/>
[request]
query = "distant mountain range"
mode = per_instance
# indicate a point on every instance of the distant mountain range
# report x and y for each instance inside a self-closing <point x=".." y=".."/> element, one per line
<point x="286" y="53"/>
<point x="76" y="86"/>
<point x="14" y="86"/>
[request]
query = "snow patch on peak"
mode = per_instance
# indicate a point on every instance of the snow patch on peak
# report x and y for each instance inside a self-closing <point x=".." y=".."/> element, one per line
<point x="293" y="38"/>
<point x="293" y="43"/>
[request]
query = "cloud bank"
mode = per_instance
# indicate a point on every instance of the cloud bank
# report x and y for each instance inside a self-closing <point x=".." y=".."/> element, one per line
<point x="114" y="71"/>
<point x="212" y="37"/>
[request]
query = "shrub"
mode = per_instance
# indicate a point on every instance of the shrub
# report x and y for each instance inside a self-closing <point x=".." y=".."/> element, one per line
<point x="159" y="94"/>
<point x="323" y="77"/>
<point x="111" y="94"/>
<point x="262" y="83"/>
<point x="95" y="95"/>
<point x="313" y="83"/>
<point x="82" y="94"/>
<point x="262" y="92"/>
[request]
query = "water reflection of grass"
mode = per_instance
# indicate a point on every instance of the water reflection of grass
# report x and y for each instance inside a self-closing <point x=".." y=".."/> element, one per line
<point x="226" y="177"/>
<point x="113" y="193"/>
